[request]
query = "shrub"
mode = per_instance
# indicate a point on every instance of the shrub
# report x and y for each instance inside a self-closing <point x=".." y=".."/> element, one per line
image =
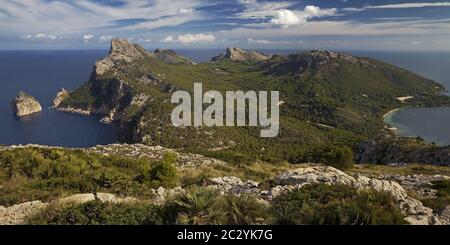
<point x="442" y="199"/>
<point x="243" y="210"/>
<point x="45" y="174"/>
<point x="198" y="206"/>
<point x="99" y="213"/>
<point x="340" y="157"/>
<point x="202" y="206"/>
<point x="162" y="173"/>
<point x="335" y="205"/>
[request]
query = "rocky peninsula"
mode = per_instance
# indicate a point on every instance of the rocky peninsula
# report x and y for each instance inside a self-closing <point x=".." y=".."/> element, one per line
<point x="25" y="104"/>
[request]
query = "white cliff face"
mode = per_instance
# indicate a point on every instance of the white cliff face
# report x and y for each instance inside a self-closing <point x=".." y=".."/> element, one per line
<point x="25" y="104"/>
<point x="121" y="51"/>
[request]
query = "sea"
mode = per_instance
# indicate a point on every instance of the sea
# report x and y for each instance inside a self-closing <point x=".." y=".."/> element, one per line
<point x="43" y="73"/>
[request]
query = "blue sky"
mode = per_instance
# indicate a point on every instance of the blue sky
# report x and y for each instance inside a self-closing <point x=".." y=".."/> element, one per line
<point x="207" y="24"/>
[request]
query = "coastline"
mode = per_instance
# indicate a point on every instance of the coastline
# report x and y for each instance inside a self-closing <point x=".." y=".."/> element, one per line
<point x="388" y="115"/>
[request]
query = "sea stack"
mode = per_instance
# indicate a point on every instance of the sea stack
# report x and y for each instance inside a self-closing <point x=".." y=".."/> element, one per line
<point x="25" y="104"/>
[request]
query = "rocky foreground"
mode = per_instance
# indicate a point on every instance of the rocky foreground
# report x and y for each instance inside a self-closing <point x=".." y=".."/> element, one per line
<point x="401" y="187"/>
<point x="25" y="104"/>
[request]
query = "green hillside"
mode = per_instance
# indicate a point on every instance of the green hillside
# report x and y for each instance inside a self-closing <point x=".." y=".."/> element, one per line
<point x="330" y="100"/>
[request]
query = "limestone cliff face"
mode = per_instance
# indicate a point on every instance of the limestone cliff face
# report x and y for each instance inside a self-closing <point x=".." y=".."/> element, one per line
<point x="25" y="104"/>
<point x="60" y="96"/>
<point x="240" y="55"/>
<point x="106" y="93"/>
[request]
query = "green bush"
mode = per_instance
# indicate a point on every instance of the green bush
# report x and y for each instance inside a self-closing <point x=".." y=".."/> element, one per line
<point x="45" y="174"/>
<point x="198" y="206"/>
<point x="243" y="210"/>
<point x="442" y="199"/>
<point x="322" y="204"/>
<point x="162" y="173"/>
<point x="99" y="213"/>
<point x="202" y="206"/>
<point x="340" y="157"/>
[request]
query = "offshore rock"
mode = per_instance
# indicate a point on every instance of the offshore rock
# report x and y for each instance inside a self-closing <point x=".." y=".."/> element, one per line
<point x="25" y="104"/>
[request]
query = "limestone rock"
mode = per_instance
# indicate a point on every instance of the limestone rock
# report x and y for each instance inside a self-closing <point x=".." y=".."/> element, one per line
<point x="121" y="51"/>
<point x="415" y="211"/>
<point x="60" y="96"/>
<point x="17" y="214"/>
<point x="240" y="55"/>
<point x="77" y="199"/>
<point x="136" y="151"/>
<point x="444" y="215"/>
<point x="25" y="104"/>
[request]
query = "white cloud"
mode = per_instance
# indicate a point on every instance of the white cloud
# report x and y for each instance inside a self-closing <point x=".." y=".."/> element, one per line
<point x="410" y="5"/>
<point x="190" y="38"/>
<point x="144" y="40"/>
<point x="287" y="18"/>
<point x="40" y="37"/>
<point x="399" y="6"/>
<point x="280" y="14"/>
<point x="259" y="41"/>
<point x="268" y="42"/>
<point x="105" y="38"/>
<point x="73" y="18"/>
<point x="185" y="11"/>
<point x="168" y="39"/>
<point x="87" y="37"/>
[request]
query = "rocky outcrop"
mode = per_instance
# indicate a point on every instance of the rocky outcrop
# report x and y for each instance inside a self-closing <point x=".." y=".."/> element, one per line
<point x="60" y="96"/>
<point x="137" y="151"/>
<point x="121" y="51"/>
<point x="17" y="214"/>
<point x="240" y="55"/>
<point x="171" y="57"/>
<point x="231" y="184"/>
<point x="415" y="212"/>
<point x="25" y="104"/>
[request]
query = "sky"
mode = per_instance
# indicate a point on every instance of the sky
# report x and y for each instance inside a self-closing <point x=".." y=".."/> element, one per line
<point x="207" y="24"/>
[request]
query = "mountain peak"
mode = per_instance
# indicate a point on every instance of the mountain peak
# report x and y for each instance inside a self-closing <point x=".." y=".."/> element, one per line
<point x="171" y="57"/>
<point x="241" y="55"/>
<point x="122" y="49"/>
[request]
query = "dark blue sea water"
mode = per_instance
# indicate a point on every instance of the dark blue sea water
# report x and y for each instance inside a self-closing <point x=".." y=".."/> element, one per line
<point x="43" y="73"/>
